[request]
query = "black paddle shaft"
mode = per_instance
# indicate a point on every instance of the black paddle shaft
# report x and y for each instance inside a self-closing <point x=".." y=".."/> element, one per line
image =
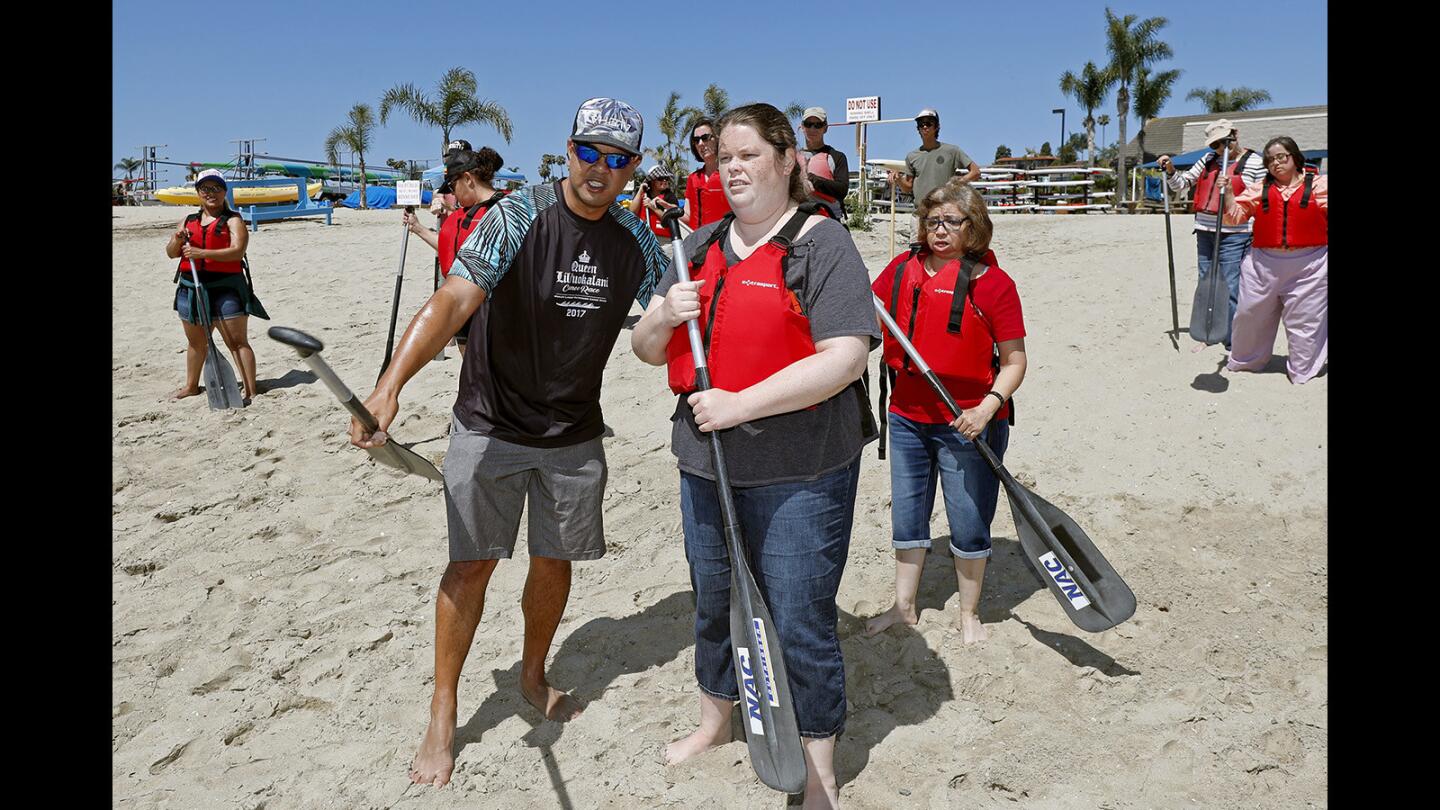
<point x="395" y="301"/>
<point x="1170" y="254"/>
<point x="1019" y="495"/>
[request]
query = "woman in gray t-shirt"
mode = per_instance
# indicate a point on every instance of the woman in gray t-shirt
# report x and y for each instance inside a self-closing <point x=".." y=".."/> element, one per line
<point x="787" y="342"/>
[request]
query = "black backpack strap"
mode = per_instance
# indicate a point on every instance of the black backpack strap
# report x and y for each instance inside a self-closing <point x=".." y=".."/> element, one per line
<point x="1305" y="198"/>
<point x="962" y="292"/>
<point x="785" y="239"/>
<point x="1265" y="194"/>
<point x="480" y="208"/>
<point x="697" y="259"/>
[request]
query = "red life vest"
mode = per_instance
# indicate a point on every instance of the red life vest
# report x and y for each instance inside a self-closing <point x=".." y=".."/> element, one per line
<point x="1207" y="191"/>
<point x="455" y="229"/>
<point x="955" y="339"/>
<point x="752" y="323"/>
<point x="1292" y="223"/>
<point x="710" y="202"/>
<point x="215" y="236"/>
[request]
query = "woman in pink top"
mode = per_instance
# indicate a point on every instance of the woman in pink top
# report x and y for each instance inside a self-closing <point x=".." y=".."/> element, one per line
<point x="1285" y="276"/>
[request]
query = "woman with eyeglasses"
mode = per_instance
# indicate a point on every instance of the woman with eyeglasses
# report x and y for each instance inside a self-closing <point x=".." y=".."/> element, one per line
<point x="782" y="296"/>
<point x="1286" y="275"/>
<point x="215" y="239"/>
<point x="705" y="200"/>
<point x="469" y="176"/>
<point x="962" y="312"/>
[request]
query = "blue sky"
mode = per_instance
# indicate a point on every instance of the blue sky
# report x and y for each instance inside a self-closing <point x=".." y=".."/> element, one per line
<point x="196" y="77"/>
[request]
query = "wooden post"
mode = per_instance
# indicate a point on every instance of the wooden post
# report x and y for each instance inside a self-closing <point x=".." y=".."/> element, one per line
<point x="892" y="219"/>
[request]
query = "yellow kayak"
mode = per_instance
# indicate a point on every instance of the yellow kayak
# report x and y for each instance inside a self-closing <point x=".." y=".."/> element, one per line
<point x="185" y="195"/>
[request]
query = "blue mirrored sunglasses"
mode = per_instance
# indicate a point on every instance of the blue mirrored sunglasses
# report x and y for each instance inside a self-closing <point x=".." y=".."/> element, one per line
<point x="614" y="160"/>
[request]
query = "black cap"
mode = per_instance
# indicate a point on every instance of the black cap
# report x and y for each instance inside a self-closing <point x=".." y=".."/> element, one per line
<point x="457" y="162"/>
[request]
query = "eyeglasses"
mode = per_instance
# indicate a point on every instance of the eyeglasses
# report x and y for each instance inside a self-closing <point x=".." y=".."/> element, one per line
<point x="926" y="122"/>
<point x="948" y="223"/>
<point x="615" y="160"/>
<point x="701" y="138"/>
<point x="210" y="189"/>
<point x="1280" y="158"/>
<point x="814" y="125"/>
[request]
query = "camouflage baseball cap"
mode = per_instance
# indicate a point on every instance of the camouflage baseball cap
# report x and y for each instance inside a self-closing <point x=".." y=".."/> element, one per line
<point x="608" y="121"/>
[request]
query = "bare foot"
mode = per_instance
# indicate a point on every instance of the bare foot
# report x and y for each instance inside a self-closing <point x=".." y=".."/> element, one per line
<point x="1198" y="347"/>
<point x="895" y="615"/>
<point x="556" y="705"/>
<point x="699" y="740"/>
<point x="435" y="760"/>
<point x="182" y="392"/>
<point x="971" y="630"/>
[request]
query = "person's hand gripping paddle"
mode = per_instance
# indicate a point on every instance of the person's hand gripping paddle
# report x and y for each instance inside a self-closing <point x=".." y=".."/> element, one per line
<point x="771" y="732"/>
<point x="1078" y="575"/>
<point x="391" y="453"/>
<point x="222" y="390"/>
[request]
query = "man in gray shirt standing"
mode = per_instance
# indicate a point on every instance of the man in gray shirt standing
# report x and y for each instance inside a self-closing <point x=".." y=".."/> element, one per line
<point x="933" y="164"/>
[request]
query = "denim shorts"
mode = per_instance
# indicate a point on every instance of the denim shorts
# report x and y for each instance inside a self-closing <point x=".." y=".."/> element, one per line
<point x="921" y="454"/>
<point x="798" y="536"/>
<point x="224" y="304"/>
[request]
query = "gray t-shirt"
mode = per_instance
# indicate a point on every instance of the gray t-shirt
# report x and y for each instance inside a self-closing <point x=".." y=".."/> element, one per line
<point x="934" y="167"/>
<point x="829" y="279"/>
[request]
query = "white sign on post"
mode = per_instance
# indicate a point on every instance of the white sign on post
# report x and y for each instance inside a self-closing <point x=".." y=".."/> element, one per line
<point x="865" y="108"/>
<point x="407" y="192"/>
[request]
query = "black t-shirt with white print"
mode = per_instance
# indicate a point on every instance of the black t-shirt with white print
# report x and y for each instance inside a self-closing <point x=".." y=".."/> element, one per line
<point x="558" y="289"/>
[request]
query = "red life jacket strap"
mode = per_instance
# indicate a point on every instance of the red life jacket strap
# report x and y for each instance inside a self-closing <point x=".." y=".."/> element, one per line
<point x="1305" y="198"/>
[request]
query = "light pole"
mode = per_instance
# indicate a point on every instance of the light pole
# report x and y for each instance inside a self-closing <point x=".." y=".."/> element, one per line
<point x="1061" y="111"/>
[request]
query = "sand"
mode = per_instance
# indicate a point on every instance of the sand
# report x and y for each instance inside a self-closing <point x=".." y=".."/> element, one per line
<point x="273" y="588"/>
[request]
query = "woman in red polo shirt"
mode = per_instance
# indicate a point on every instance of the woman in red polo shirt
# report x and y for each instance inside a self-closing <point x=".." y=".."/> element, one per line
<point x="704" y="195"/>
<point x="960" y="329"/>
<point x="470" y="177"/>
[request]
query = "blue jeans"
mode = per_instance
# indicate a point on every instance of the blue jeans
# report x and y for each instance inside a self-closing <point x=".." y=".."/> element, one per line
<point x="224" y="304"/>
<point x="1233" y="247"/>
<point x="798" y="536"/>
<point x="919" y="455"/>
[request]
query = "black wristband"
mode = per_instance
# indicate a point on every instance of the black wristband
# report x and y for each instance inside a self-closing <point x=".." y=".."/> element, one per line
<point x="997" y="395"/>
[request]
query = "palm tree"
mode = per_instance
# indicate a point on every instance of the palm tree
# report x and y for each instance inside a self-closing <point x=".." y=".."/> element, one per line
<point x="129" y="165"/>
<point x="1220" y="100"/>
<point x="453" y="104"/>
<point x="355" y="136"/>
<point x="1103" y="121"/>
<point x="714" y="104"/>
<point x="1151" y="93"/>
<point x="1088" y="89"/>
<point x="669" y="153"/>
<point x="546" y="161"/>
<point x="1132" y="45"/>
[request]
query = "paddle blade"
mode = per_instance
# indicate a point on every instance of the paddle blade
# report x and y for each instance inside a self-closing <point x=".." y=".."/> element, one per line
<point x="766" y="706"/>
<point x="1091" y="592"/>
<point x="222" y="390"/>
<point x="402" y="458"/>
<point x="1210" y="310"/>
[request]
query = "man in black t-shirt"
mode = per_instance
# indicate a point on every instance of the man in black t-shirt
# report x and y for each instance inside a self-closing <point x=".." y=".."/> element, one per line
<point x="545" y="281"/>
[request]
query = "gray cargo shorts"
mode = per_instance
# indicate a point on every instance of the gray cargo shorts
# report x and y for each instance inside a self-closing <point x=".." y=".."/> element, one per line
<point x="487" y="482"/>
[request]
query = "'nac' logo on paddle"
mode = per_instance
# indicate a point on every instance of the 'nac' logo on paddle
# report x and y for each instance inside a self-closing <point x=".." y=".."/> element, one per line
<point x="1057" y="572"/>
<point x="752" y="695"/>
